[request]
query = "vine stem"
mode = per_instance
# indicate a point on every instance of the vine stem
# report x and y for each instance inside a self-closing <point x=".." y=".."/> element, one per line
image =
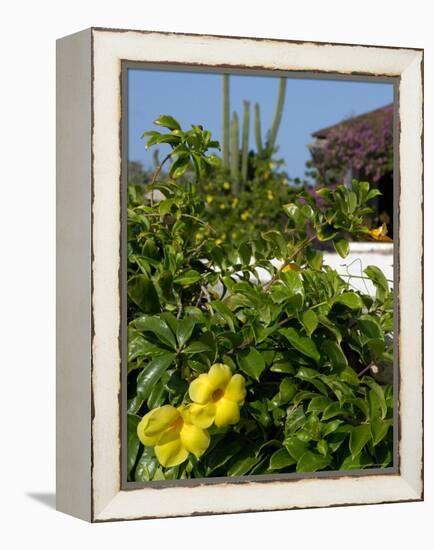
<point x="303" y="244"/>
<point x="156" y="174"/>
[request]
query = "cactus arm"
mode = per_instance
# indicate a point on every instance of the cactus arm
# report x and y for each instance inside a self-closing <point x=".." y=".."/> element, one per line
<point x="258" y="136"/>
<point x="226" y="121"/>
<point x="277" y="116"/>
<point x="235" y="152"/>
<point x="245" y="143"/>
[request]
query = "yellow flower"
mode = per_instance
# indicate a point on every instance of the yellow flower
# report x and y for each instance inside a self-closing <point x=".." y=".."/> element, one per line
<point x="173" y="435"/>
<point x="222" y="207"/>
<point x="290" y="267"/>
<point x="380" y="234"/>
<point x="209" y="199"/>
<point x="244" y="215"/>
<point x="217" y="397"/>
<point x="270" y="195"/>
<point x="235" y="201"/>
<point x="226" y="185"/>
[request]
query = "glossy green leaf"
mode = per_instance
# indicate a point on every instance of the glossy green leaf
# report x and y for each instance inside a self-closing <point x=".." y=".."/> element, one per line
<point x="133" y="443"/>
<point x="146" y="465"/>
<point x="179" y="167"/>
<point x="152" y="373"/>
<point x="379" y="430"/>
<point x="188" y="278"/>
<point x="251" y="363"/>
<point x="369" y="326"/>
<point x="295" y="447"/>
<point x="167" y="121"/>
<point x="142" y="292"/>
<point x="184" y="330"/>
<point x="359" y="437"/>
<point x="281" y="459"/>
<point x="310" y="321"/>
<point x="158" y="327"/>
<point x="349" y="299"/>
<point x="342" y="247"/>
<point x="379" y="280"/>
<point x="336" y="356"/>
<point x="304" y="345"/>
<point x="312" y="462"/>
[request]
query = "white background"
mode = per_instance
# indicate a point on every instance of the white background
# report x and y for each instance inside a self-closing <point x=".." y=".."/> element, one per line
<point x="27" y="218"/>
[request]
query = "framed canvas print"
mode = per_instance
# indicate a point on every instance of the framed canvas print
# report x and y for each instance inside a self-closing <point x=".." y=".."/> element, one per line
<point x="239" y="274"/>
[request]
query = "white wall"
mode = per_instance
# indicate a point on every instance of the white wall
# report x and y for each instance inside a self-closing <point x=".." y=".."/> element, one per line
<point x="29" y="30"/>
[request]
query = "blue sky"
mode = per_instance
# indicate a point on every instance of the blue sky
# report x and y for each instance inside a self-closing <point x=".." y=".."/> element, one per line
<point x="195" y="98"/>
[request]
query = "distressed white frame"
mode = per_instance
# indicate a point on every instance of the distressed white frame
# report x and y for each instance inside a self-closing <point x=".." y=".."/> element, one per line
<point x="89" y="175"/>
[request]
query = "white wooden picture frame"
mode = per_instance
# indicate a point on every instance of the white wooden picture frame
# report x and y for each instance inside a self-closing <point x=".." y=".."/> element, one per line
<point x="89" y="304"/>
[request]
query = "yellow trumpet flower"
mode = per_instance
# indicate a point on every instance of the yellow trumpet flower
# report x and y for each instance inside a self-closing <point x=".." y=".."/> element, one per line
<point x="173" y="435"/>
<point x="217" y="397"/>
<point x="380" y="233"/>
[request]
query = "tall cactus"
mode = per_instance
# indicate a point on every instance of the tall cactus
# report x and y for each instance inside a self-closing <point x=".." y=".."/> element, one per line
<point x="226" y="121"/>
<point x="277" y="116"/>
<point x="235" y="152"/>
<point x="245" y="142"/>
<point x="258" y="134"/>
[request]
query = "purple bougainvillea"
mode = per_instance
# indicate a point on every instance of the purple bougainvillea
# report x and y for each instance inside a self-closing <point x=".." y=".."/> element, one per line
<point x="362" y="144"/>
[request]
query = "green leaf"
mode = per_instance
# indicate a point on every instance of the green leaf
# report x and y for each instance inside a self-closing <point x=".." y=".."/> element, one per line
<point x="331" y="327"/>
<point x="294" y="420"/>
<point x="369" y="326"/>
<point x="152" y="373"/>
<point x="335" y="354"/>
<point x="167" y="121"/>
<point x="376" y="347"/>
<point x="245" y="252"/>
<point x="252" y="363"/>
<point x="184" y="330"/>
<point x="314" y="258"/>
<point x="157" y="396"/>
<point x="310" y="321"/>
<point x="287" y="390"/>
<point x="332" y="410"/>
<point x="295" y="447"/>
<point x="379" y="281"/>
<point x="259" y="410"/>
<point x="146" y="466"/>
<point x="158" y="327"/>
<point x="377" y="400"/>
<point x="282" y="367"/>
<point x="360" y="435"/>
<point x="188" y="278"/>
<point x="326" y="232"/>
<point x="322" y="447"/>
<point x="349" y="299"/>
<point x="311" y="462"/>
<point x="304" y="345"/>
<point x="304" y="373"/>
<point x="197" y="347"/>
<point x="281" y="459"/>
<point x="358" y="462"/>
<point x="138" y="346"/>
<point x="244" y="461"/>
<point x="318" y="404"/>
<point x="133" y="443"/>
<point x="226" y="314"/>
<point x="342" y="247"/>
<point x="379" y="429"/>
<point x="179" y="167"/>
<point x="142" y="292"/>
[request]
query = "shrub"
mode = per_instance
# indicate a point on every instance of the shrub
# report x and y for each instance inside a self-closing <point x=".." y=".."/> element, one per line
<point x="303" y="342"/>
